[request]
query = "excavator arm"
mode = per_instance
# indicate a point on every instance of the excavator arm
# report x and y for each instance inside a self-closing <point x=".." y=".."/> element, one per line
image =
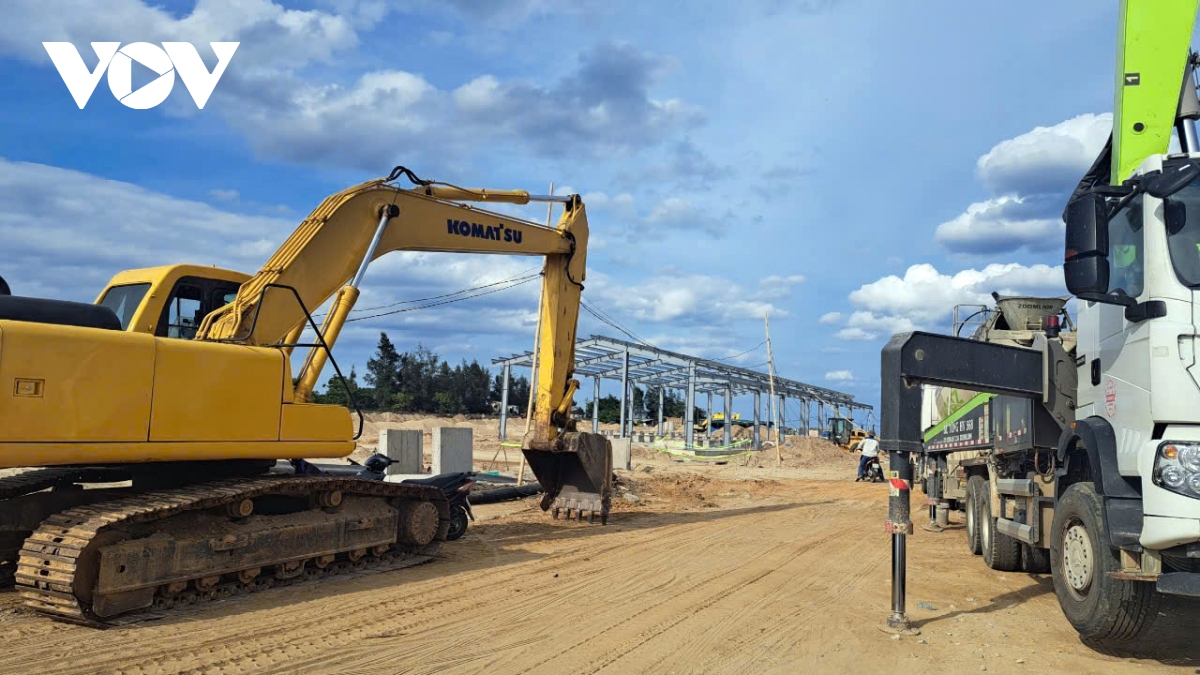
<point x="328" y="255"/>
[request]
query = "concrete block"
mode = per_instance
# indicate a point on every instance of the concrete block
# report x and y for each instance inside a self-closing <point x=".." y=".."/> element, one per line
<point x="403" y="445"/>
<point x="668" y="428"/>
<point x="453" y="450"/>
<point x="622" y="454"/>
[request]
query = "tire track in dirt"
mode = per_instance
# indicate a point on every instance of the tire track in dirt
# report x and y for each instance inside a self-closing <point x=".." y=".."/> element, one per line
<point x="621" y="587"/>
<point x="753" y="603"/>
<point x="595" y="651"/>
<point x="436" y="589"/>
<point x="283" y="637"/>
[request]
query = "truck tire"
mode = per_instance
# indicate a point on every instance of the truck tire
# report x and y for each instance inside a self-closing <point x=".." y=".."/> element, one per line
<point x="974" y="487"/>
<point x="1102" y="609"/>
<point x="1035" y="560"/>
<point x="1000" y="551"/>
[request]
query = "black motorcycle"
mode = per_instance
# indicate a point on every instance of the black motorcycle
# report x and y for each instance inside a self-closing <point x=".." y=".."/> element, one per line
<point x="454" y="486"/>
<point x="873" y="471"/>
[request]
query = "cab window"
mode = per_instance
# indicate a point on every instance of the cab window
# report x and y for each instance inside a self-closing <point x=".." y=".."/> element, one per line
<point x="1126" y="250"/>
<point x="192" y="299"/>
<point x="185" y="312"/>
<point x="124" y="301"/>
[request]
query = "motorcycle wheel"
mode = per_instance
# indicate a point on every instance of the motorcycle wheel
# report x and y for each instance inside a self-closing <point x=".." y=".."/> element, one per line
<point x="458" y="523"/>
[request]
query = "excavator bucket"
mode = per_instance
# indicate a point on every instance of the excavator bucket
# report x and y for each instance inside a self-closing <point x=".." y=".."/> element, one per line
<point x="577" y="477"/>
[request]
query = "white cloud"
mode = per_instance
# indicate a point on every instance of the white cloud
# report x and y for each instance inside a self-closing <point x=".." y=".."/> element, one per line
<point x="1046" y="159"/>
<point x="272" y="37"/>
<point x="683" y="299"/>
<point x="1030" y="177"/>
<point x="224" y="195"/>
<point x="682" y="214"/>
<point x="777" y="280"/>
<point x="830" y="318"/>
<point x="924" y="298"/>
<point x="605" y="106"/>
<point x="1004" y="224"/>
<point x="855" y="334"/>
<point x="622" y="202"/>
<point x="839" y="376"/>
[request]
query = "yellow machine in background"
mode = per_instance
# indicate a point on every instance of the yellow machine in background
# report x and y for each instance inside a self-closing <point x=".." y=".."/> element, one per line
<point x="179" y="379"/>
<point x="844" y="433"/>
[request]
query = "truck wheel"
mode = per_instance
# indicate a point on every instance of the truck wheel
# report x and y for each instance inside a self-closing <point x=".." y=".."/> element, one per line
<point x="1101" y="609"/>
<point x="1000" y="551"/>
<point x="1035" y="560"/>
<point x="974" y="486"/>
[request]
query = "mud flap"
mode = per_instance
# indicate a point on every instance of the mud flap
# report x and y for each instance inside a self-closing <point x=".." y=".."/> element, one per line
<point x="577" y="475"/>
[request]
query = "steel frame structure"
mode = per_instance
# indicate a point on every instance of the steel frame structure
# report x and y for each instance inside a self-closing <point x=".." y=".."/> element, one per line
<point x="634" y="364"/>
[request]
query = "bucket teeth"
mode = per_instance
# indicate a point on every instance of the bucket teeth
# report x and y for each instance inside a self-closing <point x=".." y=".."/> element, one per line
<point x="575" y="478"/>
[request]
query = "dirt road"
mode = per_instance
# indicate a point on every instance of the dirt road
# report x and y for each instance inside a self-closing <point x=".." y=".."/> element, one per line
<point x="701" y="576"/>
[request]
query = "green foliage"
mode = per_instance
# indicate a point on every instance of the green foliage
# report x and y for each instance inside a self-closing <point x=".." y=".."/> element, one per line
<point x="421" y="382"/>
<point x="336" y="394"/>
<point x="382" y="371"/>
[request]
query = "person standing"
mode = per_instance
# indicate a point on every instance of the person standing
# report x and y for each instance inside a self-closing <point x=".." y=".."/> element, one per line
<point x="869" y="447"/>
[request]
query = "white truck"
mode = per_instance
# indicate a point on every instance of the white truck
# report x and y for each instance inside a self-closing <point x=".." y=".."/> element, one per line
<point x="1108" y="488"/>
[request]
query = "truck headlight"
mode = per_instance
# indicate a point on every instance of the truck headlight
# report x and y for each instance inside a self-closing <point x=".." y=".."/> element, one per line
<point x="1177" y="468"/>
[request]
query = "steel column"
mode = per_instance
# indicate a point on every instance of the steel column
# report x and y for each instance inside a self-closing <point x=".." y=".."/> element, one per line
<point x="661" y="398"/>
<point x="708" y="414"/>
<point x="689" y="412"/>
<point x="782" y="417"/>
<point x="596" y="405"/>
<point x="757" y="403"/>
<point x="728" y="416"/>
<point x="506" y="373"/>
<point x="629" y="417"/>
<point x="624" y="389"/>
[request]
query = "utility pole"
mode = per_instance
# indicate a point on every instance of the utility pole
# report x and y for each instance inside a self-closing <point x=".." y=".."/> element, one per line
<point x="771" y="377"/>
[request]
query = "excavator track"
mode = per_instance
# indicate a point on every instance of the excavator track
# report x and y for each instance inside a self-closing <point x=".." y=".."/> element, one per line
<point x="19" y="485"/>
<point x="97" y="564"/>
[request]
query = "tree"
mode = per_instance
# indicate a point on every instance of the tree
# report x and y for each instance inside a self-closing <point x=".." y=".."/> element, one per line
<point x="337" y="394"/>
<point x="610" y="409"/>
<point x="639" y="403"/>
<point x="383" y="373"/>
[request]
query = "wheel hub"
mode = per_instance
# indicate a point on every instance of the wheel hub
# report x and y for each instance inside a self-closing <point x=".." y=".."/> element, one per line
<point x="1078" y="560"/>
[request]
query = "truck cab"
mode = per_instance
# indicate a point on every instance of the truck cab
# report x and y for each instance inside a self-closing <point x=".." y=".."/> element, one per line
<point x="1134" y="262"/>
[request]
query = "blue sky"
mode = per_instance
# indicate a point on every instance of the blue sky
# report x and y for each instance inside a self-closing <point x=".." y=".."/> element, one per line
<point x="855" y="167"/>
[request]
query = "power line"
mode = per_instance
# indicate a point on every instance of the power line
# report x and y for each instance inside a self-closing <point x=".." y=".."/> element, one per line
<point x="754" y="348"/>
<point x="524" y="277"/>
<point x="444" y="302"/>
<point x="527" y="274"/>
<point x="608" y="320"/>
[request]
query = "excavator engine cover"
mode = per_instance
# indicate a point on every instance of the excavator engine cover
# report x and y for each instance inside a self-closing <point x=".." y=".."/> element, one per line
<point x="577" y="476"/>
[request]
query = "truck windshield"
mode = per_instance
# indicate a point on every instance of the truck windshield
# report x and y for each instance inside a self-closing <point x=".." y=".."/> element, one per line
<point x="1181" y="211"/>
<point x="124" y="301"/>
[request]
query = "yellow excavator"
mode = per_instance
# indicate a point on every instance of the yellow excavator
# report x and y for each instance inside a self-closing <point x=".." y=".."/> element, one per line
<point x="149" y="424"/>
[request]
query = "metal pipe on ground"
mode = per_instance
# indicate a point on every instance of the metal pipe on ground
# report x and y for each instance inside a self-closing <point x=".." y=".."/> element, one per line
<point x="505" y="494"/>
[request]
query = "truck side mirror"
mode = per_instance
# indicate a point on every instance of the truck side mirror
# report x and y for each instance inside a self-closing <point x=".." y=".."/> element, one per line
<point x="1171" y="179"/>
<point x="1085" y="263"/>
